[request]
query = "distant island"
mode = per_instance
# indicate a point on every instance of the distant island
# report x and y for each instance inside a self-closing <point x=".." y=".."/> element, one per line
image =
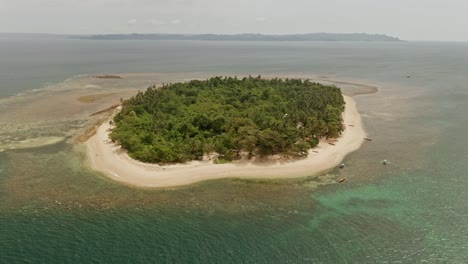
<point x="247" y="37"/>
<point x="228" y="117"/>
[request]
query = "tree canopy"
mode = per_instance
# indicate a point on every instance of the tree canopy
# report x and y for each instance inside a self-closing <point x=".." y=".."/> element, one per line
<point x="183" y="121"/>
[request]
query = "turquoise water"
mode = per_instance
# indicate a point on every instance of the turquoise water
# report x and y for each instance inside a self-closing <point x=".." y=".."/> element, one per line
<point x="414" y="210"/>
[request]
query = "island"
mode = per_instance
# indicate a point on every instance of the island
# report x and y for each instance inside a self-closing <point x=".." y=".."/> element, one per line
<point x="249" y="37"/>
<point x="248" y="127"/>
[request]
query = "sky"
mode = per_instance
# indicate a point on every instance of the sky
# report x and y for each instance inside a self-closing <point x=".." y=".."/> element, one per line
<point x="427" y="20"/>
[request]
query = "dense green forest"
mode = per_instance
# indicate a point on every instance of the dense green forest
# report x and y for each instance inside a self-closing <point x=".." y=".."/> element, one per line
<point x="230" y="116"/>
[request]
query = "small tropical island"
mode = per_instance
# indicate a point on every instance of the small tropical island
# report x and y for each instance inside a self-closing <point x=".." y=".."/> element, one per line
<point x="228" y="118"/>
<point x="226" y="127"/>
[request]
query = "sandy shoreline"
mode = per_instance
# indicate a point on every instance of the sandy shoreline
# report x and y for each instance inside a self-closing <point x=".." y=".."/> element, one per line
<point x="109" y="158"/>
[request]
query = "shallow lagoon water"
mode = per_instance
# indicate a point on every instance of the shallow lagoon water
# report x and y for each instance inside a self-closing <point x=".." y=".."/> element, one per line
<point x="412" y="211"/>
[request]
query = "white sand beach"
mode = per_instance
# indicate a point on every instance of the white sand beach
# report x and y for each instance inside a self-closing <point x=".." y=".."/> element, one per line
<point x="109" y="158"/>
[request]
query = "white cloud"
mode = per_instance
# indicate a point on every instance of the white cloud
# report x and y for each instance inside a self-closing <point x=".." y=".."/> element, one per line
<point x="156" y="22"/>
<point x="176" y="21"/>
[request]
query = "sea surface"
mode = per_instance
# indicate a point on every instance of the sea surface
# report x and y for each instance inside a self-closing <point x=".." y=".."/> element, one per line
<point x="414" y="210"/>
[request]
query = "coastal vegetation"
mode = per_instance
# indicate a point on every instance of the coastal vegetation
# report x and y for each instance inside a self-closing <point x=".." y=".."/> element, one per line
<point x="230" y="116"/>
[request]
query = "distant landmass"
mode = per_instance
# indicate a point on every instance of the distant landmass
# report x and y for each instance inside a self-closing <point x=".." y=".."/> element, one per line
<point x="248" y="37"/>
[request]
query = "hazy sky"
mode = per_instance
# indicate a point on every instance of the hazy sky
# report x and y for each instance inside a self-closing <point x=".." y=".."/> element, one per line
<point x="407" y="19"/>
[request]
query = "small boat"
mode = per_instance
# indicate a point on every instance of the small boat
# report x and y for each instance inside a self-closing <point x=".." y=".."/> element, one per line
<point x="342" y="179"/>
<point x="368" y="139"/>
<point x="408" y="76"/>
<point x="333" y="144"/>
<point x="342" y="165"/>
<point x="385" y="162"/>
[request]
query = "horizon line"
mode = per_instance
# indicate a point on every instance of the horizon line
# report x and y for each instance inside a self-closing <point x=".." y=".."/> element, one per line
<point x="228" y="34"/>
